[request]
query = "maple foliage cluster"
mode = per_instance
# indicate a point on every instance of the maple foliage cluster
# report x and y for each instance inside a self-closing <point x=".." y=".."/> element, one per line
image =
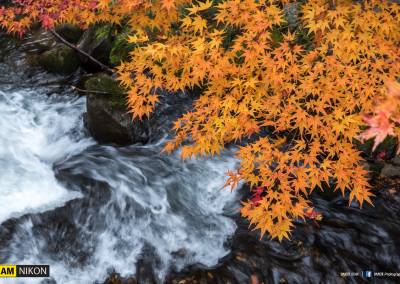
<point x="23" y="13"/>
<point x="309" y="86"/>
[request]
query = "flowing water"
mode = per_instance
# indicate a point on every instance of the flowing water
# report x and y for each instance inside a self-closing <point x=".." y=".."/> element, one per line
<point x="88" y="210"/>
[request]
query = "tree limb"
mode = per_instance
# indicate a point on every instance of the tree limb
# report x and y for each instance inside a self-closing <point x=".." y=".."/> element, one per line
<point x="90" y="91"/>
<point x="74" y="47"/>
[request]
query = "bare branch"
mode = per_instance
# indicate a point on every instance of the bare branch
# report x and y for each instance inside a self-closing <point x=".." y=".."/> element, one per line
<point x="90" y="91"/>
<point x="74" y="47"/>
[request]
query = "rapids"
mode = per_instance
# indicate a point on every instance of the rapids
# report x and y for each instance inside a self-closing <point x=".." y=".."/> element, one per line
<point x="87" y="209"/>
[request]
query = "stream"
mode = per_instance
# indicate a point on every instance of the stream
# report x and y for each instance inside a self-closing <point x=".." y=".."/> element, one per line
<point x="91" y="211"/>
<point x="87" y="209"/>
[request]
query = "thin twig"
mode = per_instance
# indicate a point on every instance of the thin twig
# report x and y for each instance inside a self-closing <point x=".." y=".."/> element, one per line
<point x="89" y="91"/>
<point x="74" y="47"/>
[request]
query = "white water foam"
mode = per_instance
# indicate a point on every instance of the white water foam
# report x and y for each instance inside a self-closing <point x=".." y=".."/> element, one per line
<point x="179" y="213"/>
<point x="35" y="132"/>
<point x="159" y="206"/>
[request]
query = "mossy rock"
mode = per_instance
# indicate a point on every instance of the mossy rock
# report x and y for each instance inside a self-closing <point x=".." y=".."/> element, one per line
<point x="107" y="117"/>
<point x="103" y="43"/>
<point x="60" y="60"/>
<point x="70" y="32"/>
<point x="107" y="86"/>
<point x="96" y="41"/>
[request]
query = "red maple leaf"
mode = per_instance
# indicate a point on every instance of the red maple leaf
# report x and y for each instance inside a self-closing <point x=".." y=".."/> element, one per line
<point x="257" y="195"/>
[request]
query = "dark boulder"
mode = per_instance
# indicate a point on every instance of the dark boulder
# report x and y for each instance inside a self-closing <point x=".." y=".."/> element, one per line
<point x="96" y="41"/>
<point x="69" y="32"/>
<point x="38" y="41"/>
<point x="390" y="171"/>
<point x="107" y="118"/>
<point x="61" y="60"/>
<point x="109" y="121"/>
<point x="111" y="124"/>
<point x="396" y="160"/>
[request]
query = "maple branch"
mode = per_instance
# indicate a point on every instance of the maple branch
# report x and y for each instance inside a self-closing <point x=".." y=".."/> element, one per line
<point x="74" y="47"/>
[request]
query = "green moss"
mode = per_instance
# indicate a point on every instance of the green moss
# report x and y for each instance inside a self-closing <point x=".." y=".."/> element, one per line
<point x="110" y="87"/>
<point x="61" y="60"/>
<point x="118" y="101"/>
<point x="120" y="50"/>
<point x="102" y="32"/>
<point x="100" y="42"/>
<point x="103" y="83"/>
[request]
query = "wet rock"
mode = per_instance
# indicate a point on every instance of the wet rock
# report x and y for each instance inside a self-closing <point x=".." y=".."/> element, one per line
<point x="69" y="32"/>
<point x="7" y="43"/>
<point x="96" y="41"/>
<point x="109" y="121"/>
<point x="115" y="278"/>
<point x="39" y="41"/>
<point x="179" y="253"/>
<point x="145" y="273"/>
<point x="59" y="60"/>
<point x="107" y="118"/>
<point x="390" y="171"/>
<point x="396" y="160"/>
